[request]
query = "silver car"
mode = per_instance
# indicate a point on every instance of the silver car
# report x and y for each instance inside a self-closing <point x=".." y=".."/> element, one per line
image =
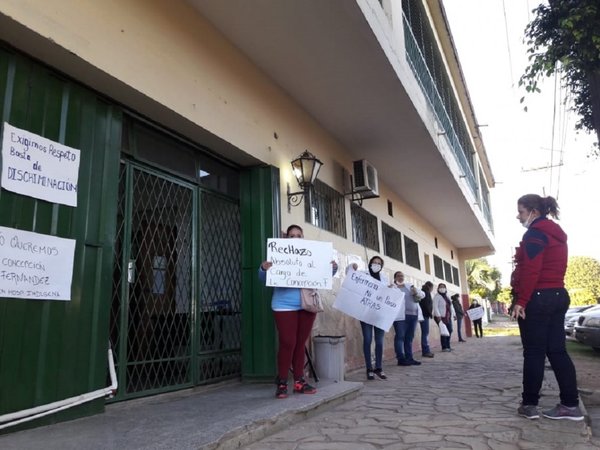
<point x="587" y="328"/>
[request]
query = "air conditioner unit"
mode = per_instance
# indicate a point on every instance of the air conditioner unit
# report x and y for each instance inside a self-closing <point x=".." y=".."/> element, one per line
<point x="364" y="180"/>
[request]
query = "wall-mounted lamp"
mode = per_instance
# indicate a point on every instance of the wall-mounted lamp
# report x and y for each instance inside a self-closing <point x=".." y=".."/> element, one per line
<point x="305" y="168"/>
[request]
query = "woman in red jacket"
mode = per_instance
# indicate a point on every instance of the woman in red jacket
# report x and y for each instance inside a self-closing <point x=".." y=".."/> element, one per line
<point x="541" y="303"/>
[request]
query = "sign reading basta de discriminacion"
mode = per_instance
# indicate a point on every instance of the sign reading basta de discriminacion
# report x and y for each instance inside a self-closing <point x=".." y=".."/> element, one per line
<point x="299" y="263"/>
<point x="38" y="167"/>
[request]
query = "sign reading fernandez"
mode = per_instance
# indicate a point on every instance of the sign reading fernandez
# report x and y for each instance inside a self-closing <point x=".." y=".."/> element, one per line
<point x="35" y="266"/>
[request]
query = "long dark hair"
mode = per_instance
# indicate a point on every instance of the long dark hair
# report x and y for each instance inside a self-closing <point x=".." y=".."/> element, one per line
<point x="544" y="205"/>
<point x="373" y="274"/>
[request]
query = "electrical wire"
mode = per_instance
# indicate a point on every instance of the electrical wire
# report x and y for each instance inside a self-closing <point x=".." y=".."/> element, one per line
<point x="512" y="82"/>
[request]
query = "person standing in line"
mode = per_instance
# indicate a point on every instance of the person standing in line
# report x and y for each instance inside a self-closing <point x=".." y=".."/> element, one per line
<point x="458" y="310"/>
<point x="294" y="325"/>
<point x="541" y="304"/>
<point x="477" y="323"/>
<point x="443" y="312"/>
<point x="426" y="305"/>
<point x="375" y="268"/>
<point x="405" y="329"/>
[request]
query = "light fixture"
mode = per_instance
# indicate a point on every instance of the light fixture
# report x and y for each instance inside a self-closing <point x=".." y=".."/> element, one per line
<point x="305" y="168"/>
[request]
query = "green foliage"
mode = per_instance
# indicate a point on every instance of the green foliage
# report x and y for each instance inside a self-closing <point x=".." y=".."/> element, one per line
<point x="483" y="279"/>
<point x="504" y="296"/>
<point x="564" y="37"/>
<point x="582" y="280"/>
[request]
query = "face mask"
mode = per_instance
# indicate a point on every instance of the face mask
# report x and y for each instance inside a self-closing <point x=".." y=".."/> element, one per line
<point x="442" y="290"/>
<point x="528" y="221"/>
<point x="376" y="268"/>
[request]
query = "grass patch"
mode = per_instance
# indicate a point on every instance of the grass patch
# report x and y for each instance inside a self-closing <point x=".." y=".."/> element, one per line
<point x="491" y="331"/>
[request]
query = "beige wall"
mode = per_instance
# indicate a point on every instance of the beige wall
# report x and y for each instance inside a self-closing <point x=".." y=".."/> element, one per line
<point x="167" y="52"/>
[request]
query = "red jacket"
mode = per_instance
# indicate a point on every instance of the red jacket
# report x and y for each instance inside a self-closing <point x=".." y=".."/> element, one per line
<point x="541" y="259"/>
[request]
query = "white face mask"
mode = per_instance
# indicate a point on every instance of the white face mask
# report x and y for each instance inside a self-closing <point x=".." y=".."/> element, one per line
<point x="376" y="268"/>
<point x="442" y="290"/>
<point x="528" y="221"/>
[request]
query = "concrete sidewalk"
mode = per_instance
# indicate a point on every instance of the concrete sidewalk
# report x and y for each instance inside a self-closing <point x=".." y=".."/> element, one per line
<point x="463" y="399"/>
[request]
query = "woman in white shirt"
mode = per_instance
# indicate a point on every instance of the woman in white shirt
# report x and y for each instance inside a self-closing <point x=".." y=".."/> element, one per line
<point x="444" y="312"/>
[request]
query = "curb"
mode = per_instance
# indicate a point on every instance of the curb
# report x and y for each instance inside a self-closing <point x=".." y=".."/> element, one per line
<point x="261" y="428"/>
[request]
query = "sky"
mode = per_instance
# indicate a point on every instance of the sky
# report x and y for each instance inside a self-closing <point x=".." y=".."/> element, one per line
<point x="521" y="145"/>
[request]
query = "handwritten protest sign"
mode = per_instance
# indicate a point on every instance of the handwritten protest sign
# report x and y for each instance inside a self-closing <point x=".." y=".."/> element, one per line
<point x="35" y="266"/>
<point x="475" y="313"/>
<point x="38" y="167"/>
<point x="365" y="298"/>
<point x="299" y="263"/>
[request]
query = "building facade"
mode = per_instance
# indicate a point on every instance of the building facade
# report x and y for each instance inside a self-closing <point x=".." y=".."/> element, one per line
<point x="187" y="115"/>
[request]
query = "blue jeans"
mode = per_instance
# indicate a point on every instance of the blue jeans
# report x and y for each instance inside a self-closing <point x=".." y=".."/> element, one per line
<point x="445" y="340"/>
<point x="543" y="335"/>
<point x="367" y="332"/>
<point x="458" y="327"/>
<point x="405" y="333"/>
<point x="424" y="336"/>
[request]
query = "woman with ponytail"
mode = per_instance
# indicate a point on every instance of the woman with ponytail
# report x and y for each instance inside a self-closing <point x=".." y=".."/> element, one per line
<point x="541" y="302"/>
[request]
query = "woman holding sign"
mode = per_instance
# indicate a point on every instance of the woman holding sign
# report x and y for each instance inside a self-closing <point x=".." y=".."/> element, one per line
<point x="375" y="268"/>
<point x="443" y="312"/>
<point x="294" y="325"/>
<point x="477" y="322"/>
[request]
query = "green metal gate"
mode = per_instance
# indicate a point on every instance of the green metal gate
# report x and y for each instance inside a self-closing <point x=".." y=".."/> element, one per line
<point x="175" y="316"/>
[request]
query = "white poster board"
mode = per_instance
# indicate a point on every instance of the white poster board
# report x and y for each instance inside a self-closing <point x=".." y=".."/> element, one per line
<point x="365" y="298"/>
<point x="299" y="263"/>
<point x="35" y="266"/>
<point x="38" y="167"/>
<point x="475" y="313"/>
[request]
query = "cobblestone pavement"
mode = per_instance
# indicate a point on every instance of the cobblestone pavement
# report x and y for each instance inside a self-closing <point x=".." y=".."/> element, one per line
<point x="463" y="399"/>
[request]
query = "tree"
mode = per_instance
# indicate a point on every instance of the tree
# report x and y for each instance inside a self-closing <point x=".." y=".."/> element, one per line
<point x="483" y="279"/>
<point x="564" y="37"/>
<point x="582" y="280"/>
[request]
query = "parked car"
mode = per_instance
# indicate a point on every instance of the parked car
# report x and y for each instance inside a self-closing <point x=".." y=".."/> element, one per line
<point x="587" y="328"/>
<point x="570" y="325"/>
<point x="572" y="315"/>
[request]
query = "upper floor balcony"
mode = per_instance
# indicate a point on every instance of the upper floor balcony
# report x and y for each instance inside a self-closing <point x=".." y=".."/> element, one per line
<point x="387" y="90"/>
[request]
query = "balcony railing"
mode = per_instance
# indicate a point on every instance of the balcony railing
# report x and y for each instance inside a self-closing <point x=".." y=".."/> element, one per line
<point x="419" y="67"/>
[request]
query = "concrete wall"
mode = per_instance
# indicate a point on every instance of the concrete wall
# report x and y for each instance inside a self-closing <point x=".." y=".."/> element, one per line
<point x="167" y="53"/>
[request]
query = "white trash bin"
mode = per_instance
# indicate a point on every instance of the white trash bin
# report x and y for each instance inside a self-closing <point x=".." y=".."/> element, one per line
<point x="330" y="352"/>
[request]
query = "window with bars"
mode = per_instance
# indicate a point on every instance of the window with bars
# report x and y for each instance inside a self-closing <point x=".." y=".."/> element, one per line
<point x="411" y="248"/>
<point x="364" y="227"/>
<point x="326" y="209"/>
<point x="448" y="272"/>
<point x="455" y="276"/>
<point x="438" y="267"/>
<point x="392" y="242"/>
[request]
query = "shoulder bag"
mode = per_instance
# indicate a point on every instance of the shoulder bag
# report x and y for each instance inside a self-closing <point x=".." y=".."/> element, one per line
<point x="311" y="300"/>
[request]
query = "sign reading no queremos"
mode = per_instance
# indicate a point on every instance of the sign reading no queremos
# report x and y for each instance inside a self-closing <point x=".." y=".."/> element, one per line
<point x="475" y="313"/>
<point x="35" y="266"/>
<point x="38" y="167"/>
<point x="365" y="298"/>
<point x="299" y="263"/>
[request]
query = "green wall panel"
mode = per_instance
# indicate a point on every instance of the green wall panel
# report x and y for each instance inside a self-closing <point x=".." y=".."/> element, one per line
<point x="52" y="350"/>
<point x="261" y="219"/>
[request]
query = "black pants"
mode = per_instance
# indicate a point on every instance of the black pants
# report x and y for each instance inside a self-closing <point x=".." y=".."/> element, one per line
<point x="478" y="327"/>
<point x="543" y="335"/>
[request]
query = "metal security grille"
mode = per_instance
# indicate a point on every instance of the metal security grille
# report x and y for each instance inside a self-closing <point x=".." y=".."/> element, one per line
<point x="153" y="283"/>
<point x="219" y="354"/>
<point x="392" y="242"/>
<point x="364" y="227"/>
<point x="326" y="209"/>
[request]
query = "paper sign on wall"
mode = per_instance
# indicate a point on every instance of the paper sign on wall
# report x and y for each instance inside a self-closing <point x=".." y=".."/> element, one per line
<point x="365" y="298"/>
<point x="299" y="263"/>
<point x="35" y="266"/>
<point x="475" y="313"/>
<point x="38" y="167"/>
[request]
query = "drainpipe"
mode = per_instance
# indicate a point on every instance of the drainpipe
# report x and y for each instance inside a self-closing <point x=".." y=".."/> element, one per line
<point x="12" y="419"/>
